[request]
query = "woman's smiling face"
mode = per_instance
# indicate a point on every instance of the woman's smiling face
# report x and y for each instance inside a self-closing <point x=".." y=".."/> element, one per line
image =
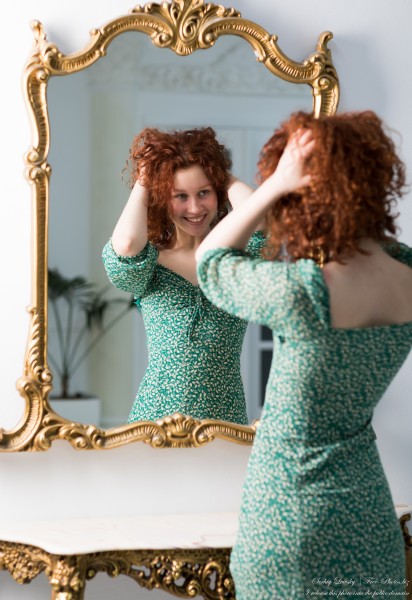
<point x="193" y="201"/>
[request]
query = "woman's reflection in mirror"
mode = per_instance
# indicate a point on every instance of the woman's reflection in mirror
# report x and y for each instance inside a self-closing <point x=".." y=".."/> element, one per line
<point x="341" y="314"/>
<point x="181" y="188"/>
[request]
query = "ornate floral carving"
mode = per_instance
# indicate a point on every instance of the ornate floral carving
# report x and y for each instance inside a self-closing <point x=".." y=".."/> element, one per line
<point x="183" y="573"/>
<point x="187" y="20"/>
<point x="183" y="26"/>
<point x="23" y="562"/>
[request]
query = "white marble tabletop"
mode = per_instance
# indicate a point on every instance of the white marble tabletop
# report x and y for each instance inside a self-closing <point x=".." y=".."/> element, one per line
<point x="157" y="532"/>
<point x="82" y="536"/>
<point x="402" y="509"/>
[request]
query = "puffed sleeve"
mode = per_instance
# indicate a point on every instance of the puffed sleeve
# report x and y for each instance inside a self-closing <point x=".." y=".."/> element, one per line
<point x="256" y="244"/>
<point x="283" y="296"/>
<point x="130" y="273"/>
<point x="399" y="251"/>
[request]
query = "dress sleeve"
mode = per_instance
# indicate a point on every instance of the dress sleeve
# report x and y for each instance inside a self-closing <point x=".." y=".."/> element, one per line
<point x="256" y="244"/>
<point x="399" y="251"/>
<point x="287" y="297"/>
<point x="130" y="273"/>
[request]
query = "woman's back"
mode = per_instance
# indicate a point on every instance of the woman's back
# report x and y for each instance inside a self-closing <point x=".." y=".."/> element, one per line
<point x="369" y="290"/>
<point x="315" y="484"/>
<point x="330" y="360"/>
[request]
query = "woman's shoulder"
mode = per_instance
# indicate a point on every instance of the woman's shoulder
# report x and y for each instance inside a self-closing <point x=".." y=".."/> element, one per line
<point x="399" y="251"/>
<point x="148" y="252"/>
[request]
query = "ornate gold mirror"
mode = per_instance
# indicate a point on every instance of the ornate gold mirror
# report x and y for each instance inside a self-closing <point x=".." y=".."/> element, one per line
<point x="138" y="70"/>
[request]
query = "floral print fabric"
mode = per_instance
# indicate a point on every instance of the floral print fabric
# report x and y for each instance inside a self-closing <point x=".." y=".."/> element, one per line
<point x="193" y="346"/>
<point x="317" y="517"/>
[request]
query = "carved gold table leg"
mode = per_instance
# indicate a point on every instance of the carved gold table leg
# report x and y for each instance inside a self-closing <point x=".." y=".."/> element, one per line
<point x="67" y="575"/>
<point x="408" y="549"/>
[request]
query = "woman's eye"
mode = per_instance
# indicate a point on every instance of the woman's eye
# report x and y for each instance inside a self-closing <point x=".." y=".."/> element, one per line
<point x="181" y="196"/>
<point x="203" y="193"/>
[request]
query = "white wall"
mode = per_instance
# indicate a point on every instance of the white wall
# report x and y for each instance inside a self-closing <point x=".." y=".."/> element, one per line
<point x="371" y="50"/>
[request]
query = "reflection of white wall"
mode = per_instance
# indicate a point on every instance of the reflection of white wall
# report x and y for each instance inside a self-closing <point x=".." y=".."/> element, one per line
<point x="69" y="208"/>
<point x="115" y="365"/>
<point x="371" y="51"/>
<point x="70" y="183"/>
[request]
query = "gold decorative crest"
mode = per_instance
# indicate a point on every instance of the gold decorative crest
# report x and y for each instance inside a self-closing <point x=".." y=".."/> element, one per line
<point x="183" y="26"/>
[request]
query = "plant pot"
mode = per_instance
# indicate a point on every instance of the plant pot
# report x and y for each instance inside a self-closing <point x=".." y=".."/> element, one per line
<point x="84" y="409"/>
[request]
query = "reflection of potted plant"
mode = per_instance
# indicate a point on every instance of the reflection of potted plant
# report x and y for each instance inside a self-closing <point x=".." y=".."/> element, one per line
<point x="80" y="316"/>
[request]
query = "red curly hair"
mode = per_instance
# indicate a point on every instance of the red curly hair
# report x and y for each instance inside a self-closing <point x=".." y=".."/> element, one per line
<point x="356" y="179"/>
<point x="154" y="158"/>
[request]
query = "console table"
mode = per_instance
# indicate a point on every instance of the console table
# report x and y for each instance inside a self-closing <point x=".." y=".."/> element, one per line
<point x="184" y="555"/>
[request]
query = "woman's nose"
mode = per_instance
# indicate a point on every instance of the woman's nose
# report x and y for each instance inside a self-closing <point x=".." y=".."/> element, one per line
<point x="195" y="205"/>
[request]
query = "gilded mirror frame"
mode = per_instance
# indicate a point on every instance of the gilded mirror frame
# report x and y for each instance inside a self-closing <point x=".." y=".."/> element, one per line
<point x="182" y="26"/>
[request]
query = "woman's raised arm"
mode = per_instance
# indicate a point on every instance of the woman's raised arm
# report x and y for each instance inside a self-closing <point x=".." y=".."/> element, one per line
<point x="238" y="192"/>
<point x="130" y="234"/>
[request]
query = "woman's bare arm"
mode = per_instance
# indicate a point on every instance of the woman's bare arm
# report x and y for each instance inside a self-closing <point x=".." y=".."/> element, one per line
<point x="238" y="192"/>
<point x="130" y="234"/>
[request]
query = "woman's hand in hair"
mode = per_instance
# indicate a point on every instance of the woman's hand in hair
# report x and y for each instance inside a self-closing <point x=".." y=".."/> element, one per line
<point x="235" y="230"/>
<point x="291" y="171"/>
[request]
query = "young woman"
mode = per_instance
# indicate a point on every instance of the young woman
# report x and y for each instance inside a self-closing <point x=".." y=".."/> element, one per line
<point x="317" y="516"/>
<point x="181" y="189"/>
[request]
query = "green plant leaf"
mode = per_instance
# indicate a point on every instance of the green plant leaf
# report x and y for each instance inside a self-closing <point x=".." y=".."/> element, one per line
<point x="84" y="310"/>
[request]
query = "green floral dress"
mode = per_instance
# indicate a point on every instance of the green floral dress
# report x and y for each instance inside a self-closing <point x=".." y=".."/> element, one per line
<point x="317" y="517"/>
<point x="193" y="346"/>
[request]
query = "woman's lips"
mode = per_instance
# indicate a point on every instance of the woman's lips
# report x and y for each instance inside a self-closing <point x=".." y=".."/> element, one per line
<point x="195" y="220"/>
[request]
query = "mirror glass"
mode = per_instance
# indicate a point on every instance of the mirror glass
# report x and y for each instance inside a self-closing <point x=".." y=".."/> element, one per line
<point x="94" y="115"/>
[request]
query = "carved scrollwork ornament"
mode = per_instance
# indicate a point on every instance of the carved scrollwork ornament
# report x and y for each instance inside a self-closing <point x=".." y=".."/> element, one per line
<point x="183" y="26"/>
<point x="182" y="573"/>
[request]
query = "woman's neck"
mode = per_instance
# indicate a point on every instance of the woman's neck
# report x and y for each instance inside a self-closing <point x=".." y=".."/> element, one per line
<point x="185" y="242"/>
<point x="368" y="248"/>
